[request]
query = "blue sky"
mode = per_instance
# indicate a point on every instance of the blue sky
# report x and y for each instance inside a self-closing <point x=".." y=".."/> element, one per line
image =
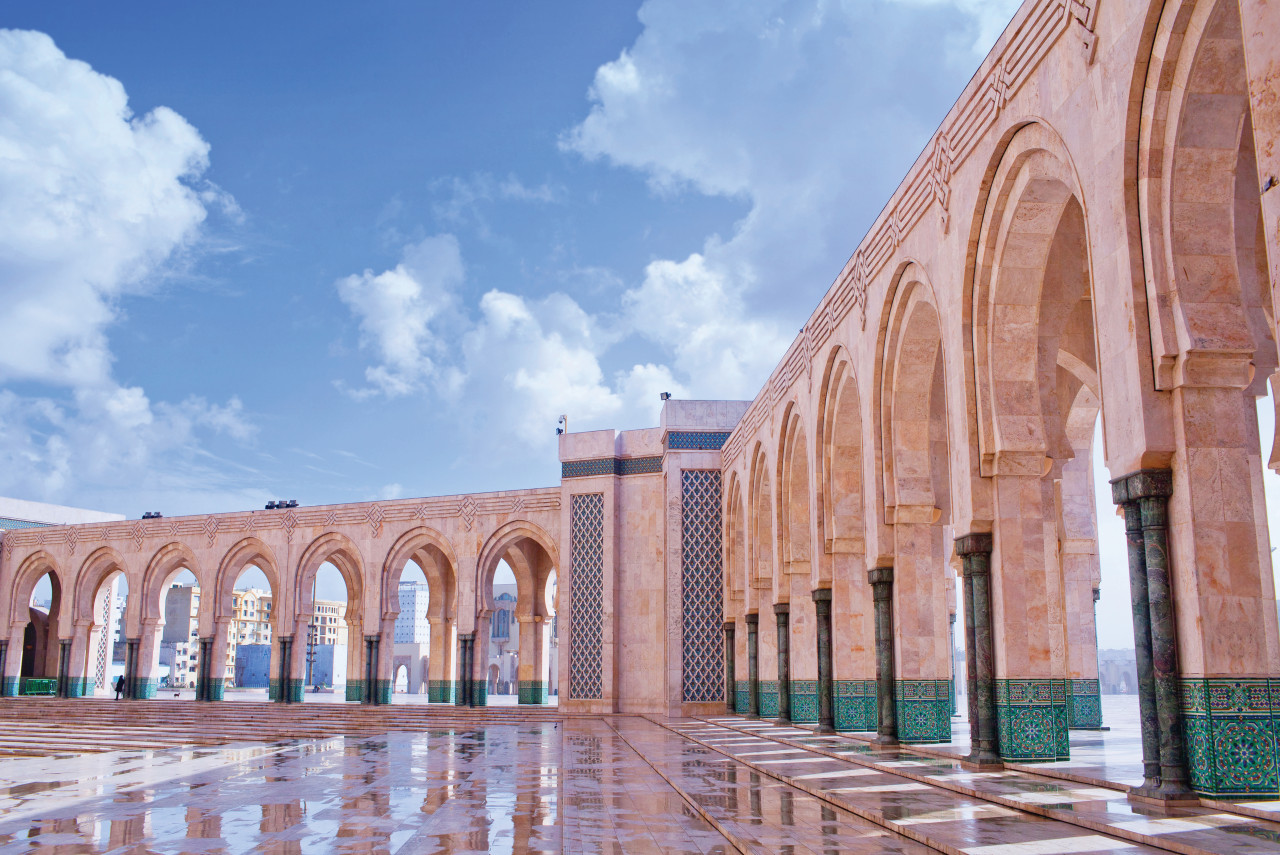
<point x="335" y="253"/>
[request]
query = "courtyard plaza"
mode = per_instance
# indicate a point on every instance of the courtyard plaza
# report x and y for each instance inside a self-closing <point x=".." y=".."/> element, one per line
<point x="96" y="776"/>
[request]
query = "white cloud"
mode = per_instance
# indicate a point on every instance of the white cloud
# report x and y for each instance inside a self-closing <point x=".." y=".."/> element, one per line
<point x="395" y="309"/>
<point x="98" y="202"/>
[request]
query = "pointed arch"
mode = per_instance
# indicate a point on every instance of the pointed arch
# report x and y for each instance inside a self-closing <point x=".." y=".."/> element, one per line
<point x="249" y="552"/>
<point x="431" y="551"/>
<point x="794" y="506"/>
<point x="735" y="540"/>
<point x="100" y="565"/>
<point x="840" y="492"/>
<point x="167" y="562"/>
<point x="532" y="555"/>
<point x="33" y="568"/>
<point x="760" y="543"/>
<point x="342" y="552"/>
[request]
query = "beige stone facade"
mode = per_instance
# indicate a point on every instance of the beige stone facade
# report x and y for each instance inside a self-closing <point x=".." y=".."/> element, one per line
<point x="1093" y="232"/>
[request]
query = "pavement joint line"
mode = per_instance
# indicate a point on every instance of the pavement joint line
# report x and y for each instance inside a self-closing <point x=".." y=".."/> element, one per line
<point x="1068" y="817"/>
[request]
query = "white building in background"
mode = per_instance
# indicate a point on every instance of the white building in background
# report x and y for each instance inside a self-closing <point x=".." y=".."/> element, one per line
<point x="412" y="638"/>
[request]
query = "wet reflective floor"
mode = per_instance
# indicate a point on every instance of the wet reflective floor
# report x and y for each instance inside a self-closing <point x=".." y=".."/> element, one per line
<point x="613" y="785"/>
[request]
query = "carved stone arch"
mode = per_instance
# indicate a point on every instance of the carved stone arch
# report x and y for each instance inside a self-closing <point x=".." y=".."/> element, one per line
<point x="1204" y="256"/>
<point x="33" y="568"/>
<point x="839" y="493"/>
<point x="735" y="542"/>
<point x="342" y="552"/>
<point x="915" y="461"/>
<point x="250" y="551"/>
<point x="513" y="541"/>
<point x="1026" y="301"/>
<point x="433" y="552"/>
<point x="100" y="564"/>
<point x="795" y="549"/>
<point x="167" y="561"/>
<point x="760" y="523"/>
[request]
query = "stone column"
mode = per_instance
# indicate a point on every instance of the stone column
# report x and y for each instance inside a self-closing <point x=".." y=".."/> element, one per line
<point x="464" y="669"/>
<point x="730" y="689"/>
<point x="1152" y="490"/>
<point x="975" y="554"/>
<point x="203" y="668"/>
<point x="284" y="682"/>
<point x="951" y="643"/>
<point x="11" y="665"/>
<point x="753" y="666"/>
<point x="441" y="684"/>
<point x="970" y="655"/>
<point x="881" y="579"/>
<point x="1148" y="715"/>
<point x="782" y="612"/>
<point x="132" y="646"/>
<point x="4" y="664"/>
<point x="532" y="684"/>
<point x="218" y="659"/>
<point x="826" y="701"/>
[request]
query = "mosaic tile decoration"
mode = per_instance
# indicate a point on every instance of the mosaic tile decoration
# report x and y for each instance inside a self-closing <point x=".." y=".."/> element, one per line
<point x="1084" y="704"/>
<point x="8" y="687"/>
<point x="691" y="440"/>
<point x="383" y="693"/>
<point x="742" y="696"/>
<point x="924" y="711"/>
<point x="355" y="691"/>
<point x="586" y="562"/>
<point x="147" y="688"/>
<point x="701" y="586"/>
<point x="855" y="705"/>
<point x="638" y="465"/>
<point x="479" y="693"/>
<point x="804" y="701"/>
<point x="1031" y="719"/>
<point x="531" y="692"/>
<point x="611" y="466"/>
<point x="1231" y="728"/>
<point x="296" y="690"/>
<point x="768" y="698"/>
<point x="440" y="692"/>
<point x="273" y="689"/>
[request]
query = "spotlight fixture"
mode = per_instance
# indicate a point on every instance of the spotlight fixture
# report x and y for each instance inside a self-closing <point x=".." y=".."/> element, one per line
<point x="664" y="396"/>
<point x="270" y="506"/>
<point x="281" y="504"/>
<point x="152" y="515"/>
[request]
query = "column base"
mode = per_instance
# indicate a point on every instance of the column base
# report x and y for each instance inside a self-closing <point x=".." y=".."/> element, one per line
<point x="355" y="691"/>
<point x="8" y="687"/>
<point x="924" y="711"/>
<point x="804" y="701"/>
<point x="531" y="692"/>
<point x="1084" y="705"/>
<point x="768" y="699"/>
<point x="441" y="692"/>
<point x="1231" y="728"/>
<point x="78" y="687"/>
<point x="1031" y="720"/>
<point x="479" y="694"/>
<point x="855" y="704"/>
<point x="147" y="688"/>
<point x="296" y="688"/>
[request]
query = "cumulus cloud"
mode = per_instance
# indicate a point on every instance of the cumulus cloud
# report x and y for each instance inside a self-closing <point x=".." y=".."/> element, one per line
<point x="97" y="202"/>
<point x="395" y="309"/>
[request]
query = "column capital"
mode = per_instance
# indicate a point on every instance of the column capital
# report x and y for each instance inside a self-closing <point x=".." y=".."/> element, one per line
<point x="1143" y="484"/>
<point x="880" y="575"/>
<point x="782" y="608"/>
<point x="822" y="595"/>
<point x="753" y="619"/>
<point x="978" y="541"/>
<point x="729" y="626"/>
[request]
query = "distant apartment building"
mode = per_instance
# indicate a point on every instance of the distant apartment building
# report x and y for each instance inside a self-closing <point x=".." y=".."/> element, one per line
<point x="412" y="637"/>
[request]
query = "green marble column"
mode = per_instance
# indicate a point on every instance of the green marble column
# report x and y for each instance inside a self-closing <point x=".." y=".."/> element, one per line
<point x="753" y="666"/>
<point x="1151" y="489"/>
<point x="782" y="612"/>
<point x="826" y="702"/>
<point x="463" y="698"/>
<point x="881" y="579"/>
<point x="1148" y="719"/>
<point x="729" y="665"/>
<point x="975" y="553"/>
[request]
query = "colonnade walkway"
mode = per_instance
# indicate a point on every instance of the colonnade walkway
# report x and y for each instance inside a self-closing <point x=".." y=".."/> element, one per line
<point x="230" y="777"/>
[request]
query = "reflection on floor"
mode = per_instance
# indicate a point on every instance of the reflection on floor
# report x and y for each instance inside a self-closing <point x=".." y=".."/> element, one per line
<point x="615" y="784"/>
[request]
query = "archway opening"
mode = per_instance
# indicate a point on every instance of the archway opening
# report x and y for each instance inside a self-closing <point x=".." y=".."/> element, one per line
<point x="412" y="634"/>
<point x="503" y="653"/>
<point x="40" y="641"/>
<point x="250" y="634"/>
<point x="177" y="664"/>
<point x="107" y="647"/>
<point x="328" y="642"/>
<point x="553" y="644"/>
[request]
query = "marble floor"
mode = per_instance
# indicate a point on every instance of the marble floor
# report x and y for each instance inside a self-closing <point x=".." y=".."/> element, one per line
<point x="721" y="784"/>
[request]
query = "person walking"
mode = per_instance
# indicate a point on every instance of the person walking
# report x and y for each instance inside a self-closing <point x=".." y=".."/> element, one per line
<point x="119" y="686"/>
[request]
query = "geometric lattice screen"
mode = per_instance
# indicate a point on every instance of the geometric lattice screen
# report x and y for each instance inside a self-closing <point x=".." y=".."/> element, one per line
<point x="586" y="569"/>
<point x="700" y="579"/>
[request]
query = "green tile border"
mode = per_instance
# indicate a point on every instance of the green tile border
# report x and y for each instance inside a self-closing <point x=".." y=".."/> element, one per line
<point x="8" y="687"/>
<point x="355" y="691"/>
<point x="1031" y="719"/>
<point x="1084" y="704"/>
<point x="441" y="692"/>
<point x="804" y="701"/>
<point x="855" y="705"/>
<point x="924" y="710"/>
<point x="768" y="698"/>
<point x="1232" y="727"/>
<point x="742" y="696"/>
<point x="531" y="692"/>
